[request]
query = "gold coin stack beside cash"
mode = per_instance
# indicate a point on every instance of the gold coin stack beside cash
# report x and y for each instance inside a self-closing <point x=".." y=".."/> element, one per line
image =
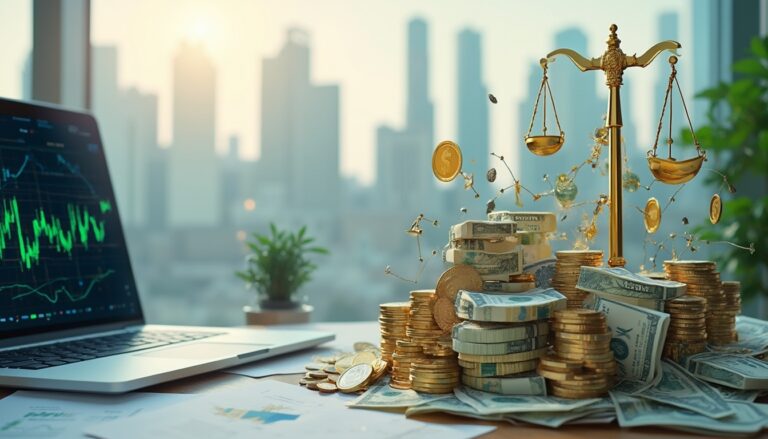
<point x="703" y="280"/>
<point x="422" y="327"/>
<point x="437" y="372"/>
<point x="687" y="333"/>
<point x="581" y="364"/>
<point x="406" y="352"/>
<point x="732" y="292"/>
<point x="393" y="321"/>
<point x="567" y="268"/>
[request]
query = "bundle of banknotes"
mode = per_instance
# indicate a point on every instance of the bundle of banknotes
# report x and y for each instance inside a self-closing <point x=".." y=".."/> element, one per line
<point x="502" y="337"/>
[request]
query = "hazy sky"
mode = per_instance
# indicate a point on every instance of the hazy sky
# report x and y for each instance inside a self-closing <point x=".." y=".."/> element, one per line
<point x="359" y="45"/>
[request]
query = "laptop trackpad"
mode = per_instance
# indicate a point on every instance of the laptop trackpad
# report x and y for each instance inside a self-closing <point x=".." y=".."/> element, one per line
<point x="203" y="350"/>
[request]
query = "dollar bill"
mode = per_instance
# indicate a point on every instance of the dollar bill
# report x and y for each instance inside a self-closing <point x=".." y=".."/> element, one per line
<point x="637" y="341"/>
<point x="479" y="332"/>
<point x="536" y="252"/>
<point x="543" y="271"/>
<point x="382" y="396"/>
<point x="622" y="282"/>
<point x="679" y="388"/>
<point x="525" y="384"/>
<point x="491" y="266"/>
<point x="527" y="221"/>
<point x="452" y="405"/>
<point x="738" y="395"/>
<point x="491" y="403"/>
<point x="730" y="370"/>
<point x="507" y="287"/>
<point x="598" y="412"/>
<point x="753" y="337"/>
<point x="536" y="304"/>
<point x="654" y="304"/>
<point x="501" y="348"/>
<point x="482" y="230"/>
<point x="632" y="411"/>
<point x="486" y="245"/>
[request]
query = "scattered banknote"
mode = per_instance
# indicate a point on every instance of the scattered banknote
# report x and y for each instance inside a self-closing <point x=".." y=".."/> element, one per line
<point x="737" y="395"/>
<point x="536" y="304"/>
<point x="622" y="282"/>
<point x="522" y="384"/>
<point x="730" y="370"/>
<point x="632" y="411"/>
<point x="753" y="337"/>
<point x="637" y="341"/>
<point x="654" y="304"/>
<point x="452" y="405"/>
<point x="491" y="266"/>
<point x="527" y="221"/>
<point x="490" y="403"/>
<point x="599" y="412"/>
<point x="679" y="388"/>
<point x="543" y="271"/>
<point x="382" y="396"/>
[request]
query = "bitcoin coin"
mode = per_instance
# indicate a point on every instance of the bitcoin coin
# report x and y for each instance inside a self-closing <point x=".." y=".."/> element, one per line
<point x="446" y="161"/>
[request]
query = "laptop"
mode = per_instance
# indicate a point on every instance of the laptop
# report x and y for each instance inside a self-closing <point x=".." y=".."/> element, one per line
<point x="70" y="314"/>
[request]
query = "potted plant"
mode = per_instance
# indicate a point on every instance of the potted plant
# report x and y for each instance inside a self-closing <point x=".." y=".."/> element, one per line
<point x="276" y="269"/>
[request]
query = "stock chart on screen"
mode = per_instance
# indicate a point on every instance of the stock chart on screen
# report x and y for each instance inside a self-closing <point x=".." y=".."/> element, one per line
<point x="62" y="253"/>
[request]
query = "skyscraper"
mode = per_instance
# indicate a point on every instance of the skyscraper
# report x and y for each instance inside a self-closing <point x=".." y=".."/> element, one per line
<point x="404" y="156"/>
<point x="473" y="110"/>
<point x="193" y="171"/>
<point x="299" y="129"/>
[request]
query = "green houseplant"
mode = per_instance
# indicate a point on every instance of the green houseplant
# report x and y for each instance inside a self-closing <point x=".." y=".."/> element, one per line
<point x="736" y="139"/>
<point x="278" y="266"/>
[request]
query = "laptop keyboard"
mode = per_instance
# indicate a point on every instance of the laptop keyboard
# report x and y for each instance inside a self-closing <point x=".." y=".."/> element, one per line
<point x="57" y="354"/>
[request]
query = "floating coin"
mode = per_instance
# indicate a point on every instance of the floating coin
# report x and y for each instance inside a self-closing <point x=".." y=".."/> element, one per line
<point x="652" y="215"/>
<point x="446" y="161"/>
<point x="491" y="175"/>
<point x="493" y="99"/>
<point x="715" y="209"/>
<point x="354" y="378"/>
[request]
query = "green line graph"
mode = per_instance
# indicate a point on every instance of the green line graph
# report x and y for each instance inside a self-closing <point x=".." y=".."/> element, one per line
<point x="56" y="291"/>
<point x="47" y="228"/>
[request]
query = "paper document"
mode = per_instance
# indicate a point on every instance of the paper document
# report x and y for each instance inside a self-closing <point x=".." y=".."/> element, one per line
<point x="276" y="410"/>
<point x="27" y="414"/>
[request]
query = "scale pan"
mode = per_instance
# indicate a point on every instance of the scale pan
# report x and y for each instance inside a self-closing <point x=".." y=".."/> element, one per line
<point x="544" y="145"/>
<point x="673" y="171"/>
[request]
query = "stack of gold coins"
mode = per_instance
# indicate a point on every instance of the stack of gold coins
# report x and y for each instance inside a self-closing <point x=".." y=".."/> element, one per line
<point x="687" y="333"/>
<point x="393" y="320"/>
<point x="567" y="267"/>
<point x="422" y="327"/>
<point x="703" y="281"/>
<point x="437" y="372"/>
<point x="406" y="352"/>
<point x="581" y="364"/>
<point x="732" y="306"/>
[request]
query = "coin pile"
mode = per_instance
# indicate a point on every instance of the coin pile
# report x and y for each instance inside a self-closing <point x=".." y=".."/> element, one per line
<point x="703" y="281"/>
<point x="581" y="364"/>
<point x="406" y="352"/>
<point x="687" y="333"/>
<point x="346" y="372"/>
<point x="437" y="372"/>
<point x="732" y="307"/>
<point x="422" y="328"/>
<point x="567" y="267"/>
<point x="393" y="322"/>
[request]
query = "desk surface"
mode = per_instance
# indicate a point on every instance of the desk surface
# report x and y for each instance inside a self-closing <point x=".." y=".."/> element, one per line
<point x="220" y="380"/>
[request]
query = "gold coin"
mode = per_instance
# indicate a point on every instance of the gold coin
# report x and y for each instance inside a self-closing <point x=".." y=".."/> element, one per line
<point x="554" y="362"/>
<point x="458" y="277"/>
<point x="553" y="375"/>
<point x="327" y="387"/>
<point x="354" y="378"/>
<point x="574" y="394"/>
<point x="715" y="209"/>
<point x="445" y="314"/>
<point x="446" y="161"/>
<point x="652" y="215"/>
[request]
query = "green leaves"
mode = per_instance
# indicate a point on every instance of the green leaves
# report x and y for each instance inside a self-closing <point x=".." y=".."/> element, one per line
<point x="736" y="139"/>
<point x="278" y="265"/>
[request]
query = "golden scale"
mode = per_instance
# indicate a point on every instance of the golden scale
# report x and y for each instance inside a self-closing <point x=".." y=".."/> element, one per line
<point x="669" y="170"/>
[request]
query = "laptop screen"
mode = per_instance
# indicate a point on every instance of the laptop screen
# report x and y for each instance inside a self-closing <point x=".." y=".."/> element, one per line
<point x="63" y="259"/>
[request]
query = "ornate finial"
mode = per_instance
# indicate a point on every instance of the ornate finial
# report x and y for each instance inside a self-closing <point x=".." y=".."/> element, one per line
<point x="613" y="39"/>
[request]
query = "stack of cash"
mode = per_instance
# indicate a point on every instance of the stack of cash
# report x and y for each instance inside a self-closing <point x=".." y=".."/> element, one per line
<point x="567" y="269"/>
<point x="533" y="229"/>
<point x="502" y="338"/>
<point x="687" y="333"/>
<point x="621" y="285"/>
<point x="732" y="305"/>
<point x="581" y="364"/>
<point x="438" y="372"/>
<point x="406" y="353"/>
<point x="703" y="280"/>
<point x="393" y="321"/>
<point x="422" y="327"/>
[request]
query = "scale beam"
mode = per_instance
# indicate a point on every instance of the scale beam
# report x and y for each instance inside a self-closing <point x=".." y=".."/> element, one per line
<point x="613" y="62"/>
